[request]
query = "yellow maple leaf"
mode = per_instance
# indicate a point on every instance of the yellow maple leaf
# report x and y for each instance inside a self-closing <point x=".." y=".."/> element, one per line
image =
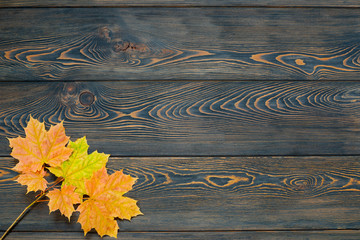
<point x="40" y="147"/>
<point x="33" y="180"/>
<point x="81" y="174"/>
<point x="63" y="200"/>
<point x="106" y="202"/>
<point x="93" y="214"/>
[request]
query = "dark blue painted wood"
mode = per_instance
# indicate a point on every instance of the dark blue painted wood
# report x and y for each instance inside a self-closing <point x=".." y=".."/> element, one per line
<point x="180" y="43"/>
<point x="182" y="3"/>
<point x="192" y="118"/>
<point x="215" y="194"/>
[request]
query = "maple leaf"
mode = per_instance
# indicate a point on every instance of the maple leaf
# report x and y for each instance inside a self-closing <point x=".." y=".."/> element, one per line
<point x="40" y="147"/>
<point x="81" y="174"/>
<point x="106" y="202"/>
<point x="95" y="215"/>
<point x="80" y="165"/>
<point x="63" y="200"/>
<point x="33" y="180"/>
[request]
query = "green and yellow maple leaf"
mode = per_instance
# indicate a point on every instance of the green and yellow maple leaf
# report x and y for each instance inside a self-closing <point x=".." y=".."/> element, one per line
<point x="63" y="200"/>
<point x="106" y="202"/>
<point x="81" y="174"/>
<point x="40" y="147"/>
<point x="80" y="166"/>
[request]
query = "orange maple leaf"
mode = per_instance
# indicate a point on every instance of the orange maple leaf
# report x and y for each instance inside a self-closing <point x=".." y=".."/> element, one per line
<point x="106" y="202"/>
<point x="33" y="180"/>
<point x="40" y="147"/>
<point x="80" y="172"/>
<point x="63" y="200"/>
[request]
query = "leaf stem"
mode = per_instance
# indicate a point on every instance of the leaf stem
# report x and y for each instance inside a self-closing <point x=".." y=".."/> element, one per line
<point x="38" y="198"/>
<point x="58" y="180"/>
<point x="22" y="214"/>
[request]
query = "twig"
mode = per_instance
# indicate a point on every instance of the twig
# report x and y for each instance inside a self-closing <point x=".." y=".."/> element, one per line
<point x="22" y="214"/>
<point x="41" y="195"/>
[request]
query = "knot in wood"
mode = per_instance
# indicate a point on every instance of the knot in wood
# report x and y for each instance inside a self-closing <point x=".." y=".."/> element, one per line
<point x="86" y="98"/>
<point x="120" y="46"/>
<point x="70" y="89"/>
<point x="105" y="33"/>
<point x="303" y="183"/>
<point x="69" y="94"/>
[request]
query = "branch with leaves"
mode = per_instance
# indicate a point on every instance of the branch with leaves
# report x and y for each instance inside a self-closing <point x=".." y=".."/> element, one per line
<point x="83" y="177"/>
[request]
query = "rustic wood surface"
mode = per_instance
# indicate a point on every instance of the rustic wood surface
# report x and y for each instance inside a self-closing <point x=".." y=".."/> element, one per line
<point x="179" y="43"/>
<point x="216" y="194"/>
<point x="180" y="3"/>
<point x="240" y="118"/>
<point x="270" y="235"/>
<point x="137" y="118"/>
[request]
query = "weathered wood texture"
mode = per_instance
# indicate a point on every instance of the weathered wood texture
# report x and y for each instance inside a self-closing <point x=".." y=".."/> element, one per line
<point x="179" y="3"/>
<point x="221" y="82"/>
<point x="175" y="118"/>
<point x="210" y="194"/>
<point x="180" y="43"/>
<point x="269" y="235"/>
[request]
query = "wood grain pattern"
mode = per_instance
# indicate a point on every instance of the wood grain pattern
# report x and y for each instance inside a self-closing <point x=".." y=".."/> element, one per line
<point x="270" y="235"/>
<point x="180" y="3"/>
<point x="207" y="103"/>
<point x="138" y="118"/>
<point x="217" y="194"/>
<point x="154" y="44"/>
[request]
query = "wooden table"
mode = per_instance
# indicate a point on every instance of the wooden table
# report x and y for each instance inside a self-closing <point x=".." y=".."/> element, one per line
<point x="240" y="119"/>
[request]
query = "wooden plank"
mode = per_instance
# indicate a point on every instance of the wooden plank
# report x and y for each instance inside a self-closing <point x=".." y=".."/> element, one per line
<point x="179" y="43"/>
<point x="180" y="3"/>
<point x="216" y="194"/>
<point x="270" y="235"/>
<point x="138" y="118"/>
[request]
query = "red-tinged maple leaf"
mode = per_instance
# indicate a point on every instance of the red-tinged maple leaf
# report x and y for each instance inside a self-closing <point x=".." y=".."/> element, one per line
<point x="106" y="202"/>
<point x="63" y="200"/>
<point x="33" y="180"/>
<point x="40" y="147"/>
